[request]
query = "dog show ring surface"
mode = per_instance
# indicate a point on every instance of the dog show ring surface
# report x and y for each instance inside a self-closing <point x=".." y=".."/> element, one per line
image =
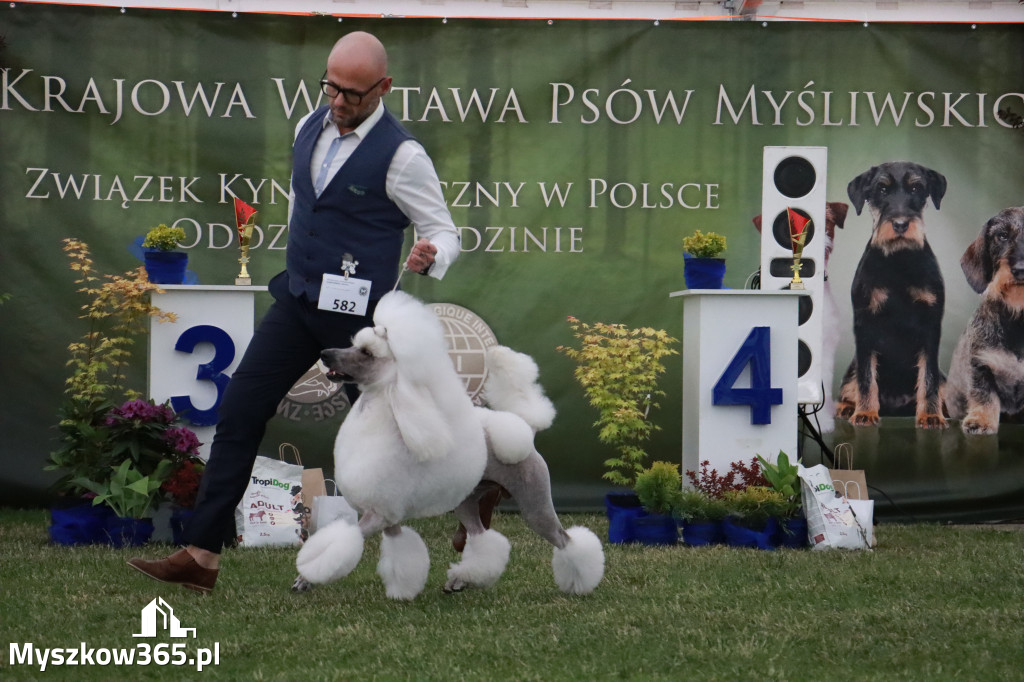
<point x="739" y="375"/>
<point x="191" y="359"/>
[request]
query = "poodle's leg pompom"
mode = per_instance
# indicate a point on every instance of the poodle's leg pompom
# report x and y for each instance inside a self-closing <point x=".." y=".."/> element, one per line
<point x="330" y="553"/>
<point x="579" y="566"/>
<point x="404" y="564"/>
<point x="483" y="561"/>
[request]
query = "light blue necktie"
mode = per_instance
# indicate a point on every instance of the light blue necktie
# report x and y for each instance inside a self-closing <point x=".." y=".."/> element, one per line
<point x="321" y="179"/>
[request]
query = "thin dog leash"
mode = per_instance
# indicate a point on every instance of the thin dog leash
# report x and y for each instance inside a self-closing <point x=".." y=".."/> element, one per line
<point x="405" y="268"/>
<point x="400" y="273"/>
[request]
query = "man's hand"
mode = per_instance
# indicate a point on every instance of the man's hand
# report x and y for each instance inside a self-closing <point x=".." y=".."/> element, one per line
<point x="421" y="257"/>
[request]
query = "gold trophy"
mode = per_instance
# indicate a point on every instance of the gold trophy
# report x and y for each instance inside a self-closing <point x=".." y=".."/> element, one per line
<point x="798" y="227"/>
<point x="245" y="221"/>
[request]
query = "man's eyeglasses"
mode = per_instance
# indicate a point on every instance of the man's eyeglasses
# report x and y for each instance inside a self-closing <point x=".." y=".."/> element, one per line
<point x="353" y="97"/>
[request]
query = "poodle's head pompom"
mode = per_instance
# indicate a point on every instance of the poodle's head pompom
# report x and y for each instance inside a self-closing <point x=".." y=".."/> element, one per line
<point x="414" y="333"/>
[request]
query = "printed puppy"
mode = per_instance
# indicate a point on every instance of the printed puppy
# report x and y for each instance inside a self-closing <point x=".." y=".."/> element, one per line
<point x="898" y="300"/>
<point x="986" y="377"/>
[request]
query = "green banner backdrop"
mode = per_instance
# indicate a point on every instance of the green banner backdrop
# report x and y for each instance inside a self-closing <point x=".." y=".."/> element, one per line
<point x="575" y="155"/>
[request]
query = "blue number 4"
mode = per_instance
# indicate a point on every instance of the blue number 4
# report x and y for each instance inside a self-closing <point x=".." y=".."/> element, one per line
<point x="757" y="352"/>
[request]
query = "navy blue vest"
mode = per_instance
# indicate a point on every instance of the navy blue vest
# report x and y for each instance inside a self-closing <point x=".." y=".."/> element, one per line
<point x="353" y="214"/>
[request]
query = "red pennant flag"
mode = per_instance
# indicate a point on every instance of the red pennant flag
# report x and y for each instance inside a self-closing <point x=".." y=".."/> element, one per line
<point x="244" y="213"/>
<point x="245" y="221"/>
<point x="797" y="224"/>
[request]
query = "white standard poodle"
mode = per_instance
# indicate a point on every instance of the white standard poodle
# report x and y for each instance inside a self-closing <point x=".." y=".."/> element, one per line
<point x="414" y="445"/>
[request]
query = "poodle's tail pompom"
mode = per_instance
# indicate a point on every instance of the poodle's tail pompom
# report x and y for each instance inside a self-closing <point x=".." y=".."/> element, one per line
<point x="330" y="553"/>
<point x="508" y="435"/>
<point x="404" y="564"/>
<point x="511" y="386"/>
<point x="579" y="566"/>
<point x="483" y="561"/>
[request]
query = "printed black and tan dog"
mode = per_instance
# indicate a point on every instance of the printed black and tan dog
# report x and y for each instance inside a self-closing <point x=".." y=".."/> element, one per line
<point x="898" y="300"/>
<point x="986" y="377"/>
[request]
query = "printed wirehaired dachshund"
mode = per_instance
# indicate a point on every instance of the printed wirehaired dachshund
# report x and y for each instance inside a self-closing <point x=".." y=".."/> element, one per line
<point x="898" y="300"/>
<point x="986" y="377"/>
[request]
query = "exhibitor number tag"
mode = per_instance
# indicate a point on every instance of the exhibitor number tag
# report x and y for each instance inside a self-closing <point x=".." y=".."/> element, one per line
<point x="344" y="295"/>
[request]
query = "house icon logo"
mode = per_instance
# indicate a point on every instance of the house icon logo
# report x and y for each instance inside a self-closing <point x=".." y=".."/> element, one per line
<point x="159" y="613"/>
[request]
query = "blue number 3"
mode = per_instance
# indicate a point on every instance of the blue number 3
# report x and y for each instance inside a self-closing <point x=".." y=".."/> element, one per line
<point x="757" y="352"/>
<point x="224" y="353"/>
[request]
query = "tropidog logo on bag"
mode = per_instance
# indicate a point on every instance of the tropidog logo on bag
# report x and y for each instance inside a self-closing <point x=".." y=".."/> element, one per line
<point x="271" y="482"/>
<point x="468" y="338"/>
<point x="156" y="618"/>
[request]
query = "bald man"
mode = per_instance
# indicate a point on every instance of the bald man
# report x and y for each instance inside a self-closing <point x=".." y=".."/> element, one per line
<point x="359" y="180"/>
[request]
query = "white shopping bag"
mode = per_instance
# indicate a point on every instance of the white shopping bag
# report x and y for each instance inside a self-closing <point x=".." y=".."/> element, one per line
<point x="831" y="521"/>
<point x="328" y="508"/>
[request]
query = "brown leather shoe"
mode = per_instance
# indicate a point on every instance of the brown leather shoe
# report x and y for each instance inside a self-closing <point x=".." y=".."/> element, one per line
<point x="179" y="568"/>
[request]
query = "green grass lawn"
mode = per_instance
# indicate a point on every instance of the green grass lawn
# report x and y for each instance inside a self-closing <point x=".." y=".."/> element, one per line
<point x="929" y="603"/>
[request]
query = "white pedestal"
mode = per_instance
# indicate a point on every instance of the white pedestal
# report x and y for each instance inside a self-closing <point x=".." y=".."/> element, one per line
<point x="719" y="333"/>
<point x="190" y="360"/>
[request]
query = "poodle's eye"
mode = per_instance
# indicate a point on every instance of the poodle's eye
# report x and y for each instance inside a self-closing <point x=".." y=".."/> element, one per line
<point x="1000" y="237"/>
<point x="366" y="352"/>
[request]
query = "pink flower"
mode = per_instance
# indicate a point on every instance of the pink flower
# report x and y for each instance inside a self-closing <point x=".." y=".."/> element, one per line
<point x="182" y="440"/>
<point x="142" y="410"/>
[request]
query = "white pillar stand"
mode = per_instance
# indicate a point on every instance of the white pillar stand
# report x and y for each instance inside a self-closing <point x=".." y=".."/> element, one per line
<point x="727" y="335"/>
<point x="190" y="360"/>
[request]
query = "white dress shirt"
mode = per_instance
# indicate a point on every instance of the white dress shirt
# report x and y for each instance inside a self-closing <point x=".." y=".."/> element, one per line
<point x="411" y="183"/>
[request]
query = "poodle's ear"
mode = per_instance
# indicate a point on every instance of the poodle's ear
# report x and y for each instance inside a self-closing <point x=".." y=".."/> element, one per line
<point x="421" y="421"/>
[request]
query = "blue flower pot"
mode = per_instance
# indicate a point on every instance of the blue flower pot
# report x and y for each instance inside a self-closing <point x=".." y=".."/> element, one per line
<point x="129" y="532"/>
<point x="655" y="529"/>
<point x="792" y="533"/>
<point x="179" y="519"/>
<point x="82" y="524"/>
<point x="623" y="510"/>
<point x="703" y="533"/>
<point x="166" y="267"/>
<point x="738" y="536"/>
<point x="703" y="273"/>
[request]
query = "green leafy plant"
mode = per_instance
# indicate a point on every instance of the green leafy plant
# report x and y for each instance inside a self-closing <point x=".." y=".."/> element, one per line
<point x="704" y="245"/>
<point x="163" y="238"/>
<point x="782" y="476"/>
<point x="752" y="507"/>
<point x="84" y="451"/>
<point x="93" y="435"/>
<point x="696" y="505"/>
<point x="116" y="313"/>
<point x="659" y="488"/>
<point x="129" y="492"/>
<point x="619" y="369"/>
